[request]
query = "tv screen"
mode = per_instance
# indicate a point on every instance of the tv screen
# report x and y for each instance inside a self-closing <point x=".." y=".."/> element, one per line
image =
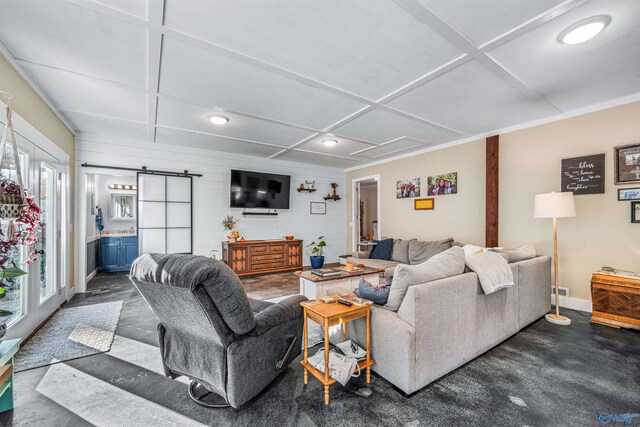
<point x="259" y="190"/>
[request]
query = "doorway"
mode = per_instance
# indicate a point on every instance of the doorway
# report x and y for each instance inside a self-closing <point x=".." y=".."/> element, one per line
<point x="32" y="298"/>
<point x="111" y="233"/>
<point x="366" y="212"/>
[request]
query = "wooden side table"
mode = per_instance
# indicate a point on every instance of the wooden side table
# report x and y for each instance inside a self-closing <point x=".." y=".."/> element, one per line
<point x="327" y="315"/>
<point x="7" y="349"/>
<point x="616" y="299"/>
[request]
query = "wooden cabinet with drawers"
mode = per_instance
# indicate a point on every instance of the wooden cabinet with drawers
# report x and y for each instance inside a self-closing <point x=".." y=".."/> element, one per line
<point x="253" y="257"/>
<point x="616" y="300"/>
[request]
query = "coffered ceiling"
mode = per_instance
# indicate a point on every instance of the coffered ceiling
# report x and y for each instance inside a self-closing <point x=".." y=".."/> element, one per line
<point x="382" y="77"/>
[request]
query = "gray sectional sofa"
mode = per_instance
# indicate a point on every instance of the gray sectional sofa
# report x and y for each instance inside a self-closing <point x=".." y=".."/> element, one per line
<point x="443" y="324"/>
<point x="404" y="252"/>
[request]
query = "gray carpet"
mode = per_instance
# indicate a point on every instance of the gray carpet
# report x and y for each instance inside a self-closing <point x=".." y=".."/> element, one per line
<point x="71" y="333"/>
<point x="544" y="376"/>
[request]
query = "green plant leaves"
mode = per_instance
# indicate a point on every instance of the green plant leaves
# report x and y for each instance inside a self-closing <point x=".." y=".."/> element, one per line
<point x="11" y="273"/>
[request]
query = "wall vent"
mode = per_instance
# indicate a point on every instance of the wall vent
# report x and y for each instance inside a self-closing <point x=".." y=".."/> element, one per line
<point x="564" y="292"/>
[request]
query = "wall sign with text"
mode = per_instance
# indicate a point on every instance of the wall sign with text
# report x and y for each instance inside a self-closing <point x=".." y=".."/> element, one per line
<point x="583" y="175"/>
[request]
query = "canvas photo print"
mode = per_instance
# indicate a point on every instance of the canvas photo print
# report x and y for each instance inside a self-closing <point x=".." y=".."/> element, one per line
<point x="408" y="188"/>
<point x="442" y="184"/>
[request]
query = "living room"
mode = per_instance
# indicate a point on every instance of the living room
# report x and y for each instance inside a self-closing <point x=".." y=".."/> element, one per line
<point x="213" y="212"/>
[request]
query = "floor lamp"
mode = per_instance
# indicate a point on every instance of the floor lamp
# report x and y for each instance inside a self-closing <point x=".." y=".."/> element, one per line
<point x="555" y="205"/>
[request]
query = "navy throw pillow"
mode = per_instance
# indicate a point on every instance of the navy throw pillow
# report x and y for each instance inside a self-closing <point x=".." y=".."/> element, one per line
<point x="382" y="250"/>
<point x="367" y="291"/>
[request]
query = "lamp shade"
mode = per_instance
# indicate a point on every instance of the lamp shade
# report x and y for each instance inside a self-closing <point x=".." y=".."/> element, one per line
<point x="554" y="205"/>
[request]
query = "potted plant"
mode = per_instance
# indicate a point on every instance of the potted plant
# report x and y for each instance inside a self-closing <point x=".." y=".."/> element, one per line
<point x="317" y="256"/>
<point x="229" y="223"/>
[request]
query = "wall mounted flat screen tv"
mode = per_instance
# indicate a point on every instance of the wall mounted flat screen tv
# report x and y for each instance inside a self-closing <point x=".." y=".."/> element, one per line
<point x="259" y="190"/>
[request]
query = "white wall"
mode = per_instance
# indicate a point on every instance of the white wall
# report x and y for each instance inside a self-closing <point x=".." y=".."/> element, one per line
<point x="211" y="192"/>
<point x="460" y="216"/>
<point x="602" y="232"/>
<point x="104" y="199"/>
<point x="530" y="163"/>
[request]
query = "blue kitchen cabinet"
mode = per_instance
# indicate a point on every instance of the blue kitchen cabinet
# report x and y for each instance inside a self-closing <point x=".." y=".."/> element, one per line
<point x="117" y="253"/>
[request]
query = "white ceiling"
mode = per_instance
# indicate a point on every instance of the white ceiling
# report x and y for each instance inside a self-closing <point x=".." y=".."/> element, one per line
<point x="383" y="77"/>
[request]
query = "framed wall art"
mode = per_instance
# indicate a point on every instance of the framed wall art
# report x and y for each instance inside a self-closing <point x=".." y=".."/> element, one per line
<point x="407" y="188"/>
<point x="446" y="183"/>
<point x="629" y="193"/>
<point x="635" y="212"/>
<point x="317" y="208"/>
<point x="423" y="204"/>
<point x="627" y="163"/>
<point x="583" y="175"/>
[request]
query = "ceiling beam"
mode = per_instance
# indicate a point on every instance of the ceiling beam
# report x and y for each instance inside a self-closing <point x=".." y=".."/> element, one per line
<point x="154" y="46"/>
<point x="112" y="12"/>
<point x="423" y="14"/>
<point x="531" y="24"/>
<point x="249" y="60"/>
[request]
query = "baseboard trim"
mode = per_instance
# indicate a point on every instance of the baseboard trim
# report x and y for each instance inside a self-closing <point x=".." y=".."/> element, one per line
<point x="92" y="274"/>
<point x="573" y="303"/>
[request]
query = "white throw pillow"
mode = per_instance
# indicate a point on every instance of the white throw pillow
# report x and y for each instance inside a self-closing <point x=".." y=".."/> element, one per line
<point x="445" y="264"/>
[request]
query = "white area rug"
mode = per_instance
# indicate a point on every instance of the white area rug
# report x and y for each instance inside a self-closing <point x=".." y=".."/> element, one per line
<point x="71" y="333"/>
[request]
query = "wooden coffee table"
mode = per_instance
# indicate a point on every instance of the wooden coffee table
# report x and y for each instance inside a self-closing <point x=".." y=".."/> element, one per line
<point x="327" y="315"/>
<point x="312" y="286"/>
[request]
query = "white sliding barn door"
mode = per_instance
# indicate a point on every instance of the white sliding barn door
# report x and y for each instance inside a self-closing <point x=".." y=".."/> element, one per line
<point x="164" y="214"/>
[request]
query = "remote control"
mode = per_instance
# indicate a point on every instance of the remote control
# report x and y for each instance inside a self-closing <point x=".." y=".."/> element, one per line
<point x="345" y="302"/>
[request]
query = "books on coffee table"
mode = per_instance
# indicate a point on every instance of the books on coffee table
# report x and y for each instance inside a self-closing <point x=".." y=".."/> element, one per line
<point x="326" y="272"/>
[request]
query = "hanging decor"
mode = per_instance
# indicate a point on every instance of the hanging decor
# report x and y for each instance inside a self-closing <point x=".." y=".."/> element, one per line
<point x="19" y="211"/>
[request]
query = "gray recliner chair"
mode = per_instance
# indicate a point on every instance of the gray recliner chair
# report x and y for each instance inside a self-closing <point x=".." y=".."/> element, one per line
<point x="230" y="346"/>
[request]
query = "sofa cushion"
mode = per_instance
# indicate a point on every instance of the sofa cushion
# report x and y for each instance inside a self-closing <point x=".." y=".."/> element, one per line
<point x="401" y="250"/>
<point x="377" y="294"/>
<point x="382" y="250"/>
<point x="521" y="253"/>
<point x="421" y="251"/>
<point x="445" y="264"/>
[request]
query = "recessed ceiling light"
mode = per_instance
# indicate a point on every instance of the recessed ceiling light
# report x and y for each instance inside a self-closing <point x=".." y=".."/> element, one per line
<point x="329" y="142"/>
<point x="584" y="30"/>
<point x="218" y="119"/>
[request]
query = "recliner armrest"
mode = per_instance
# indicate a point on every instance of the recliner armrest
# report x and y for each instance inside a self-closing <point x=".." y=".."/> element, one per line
<point x="284" y="311"/>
